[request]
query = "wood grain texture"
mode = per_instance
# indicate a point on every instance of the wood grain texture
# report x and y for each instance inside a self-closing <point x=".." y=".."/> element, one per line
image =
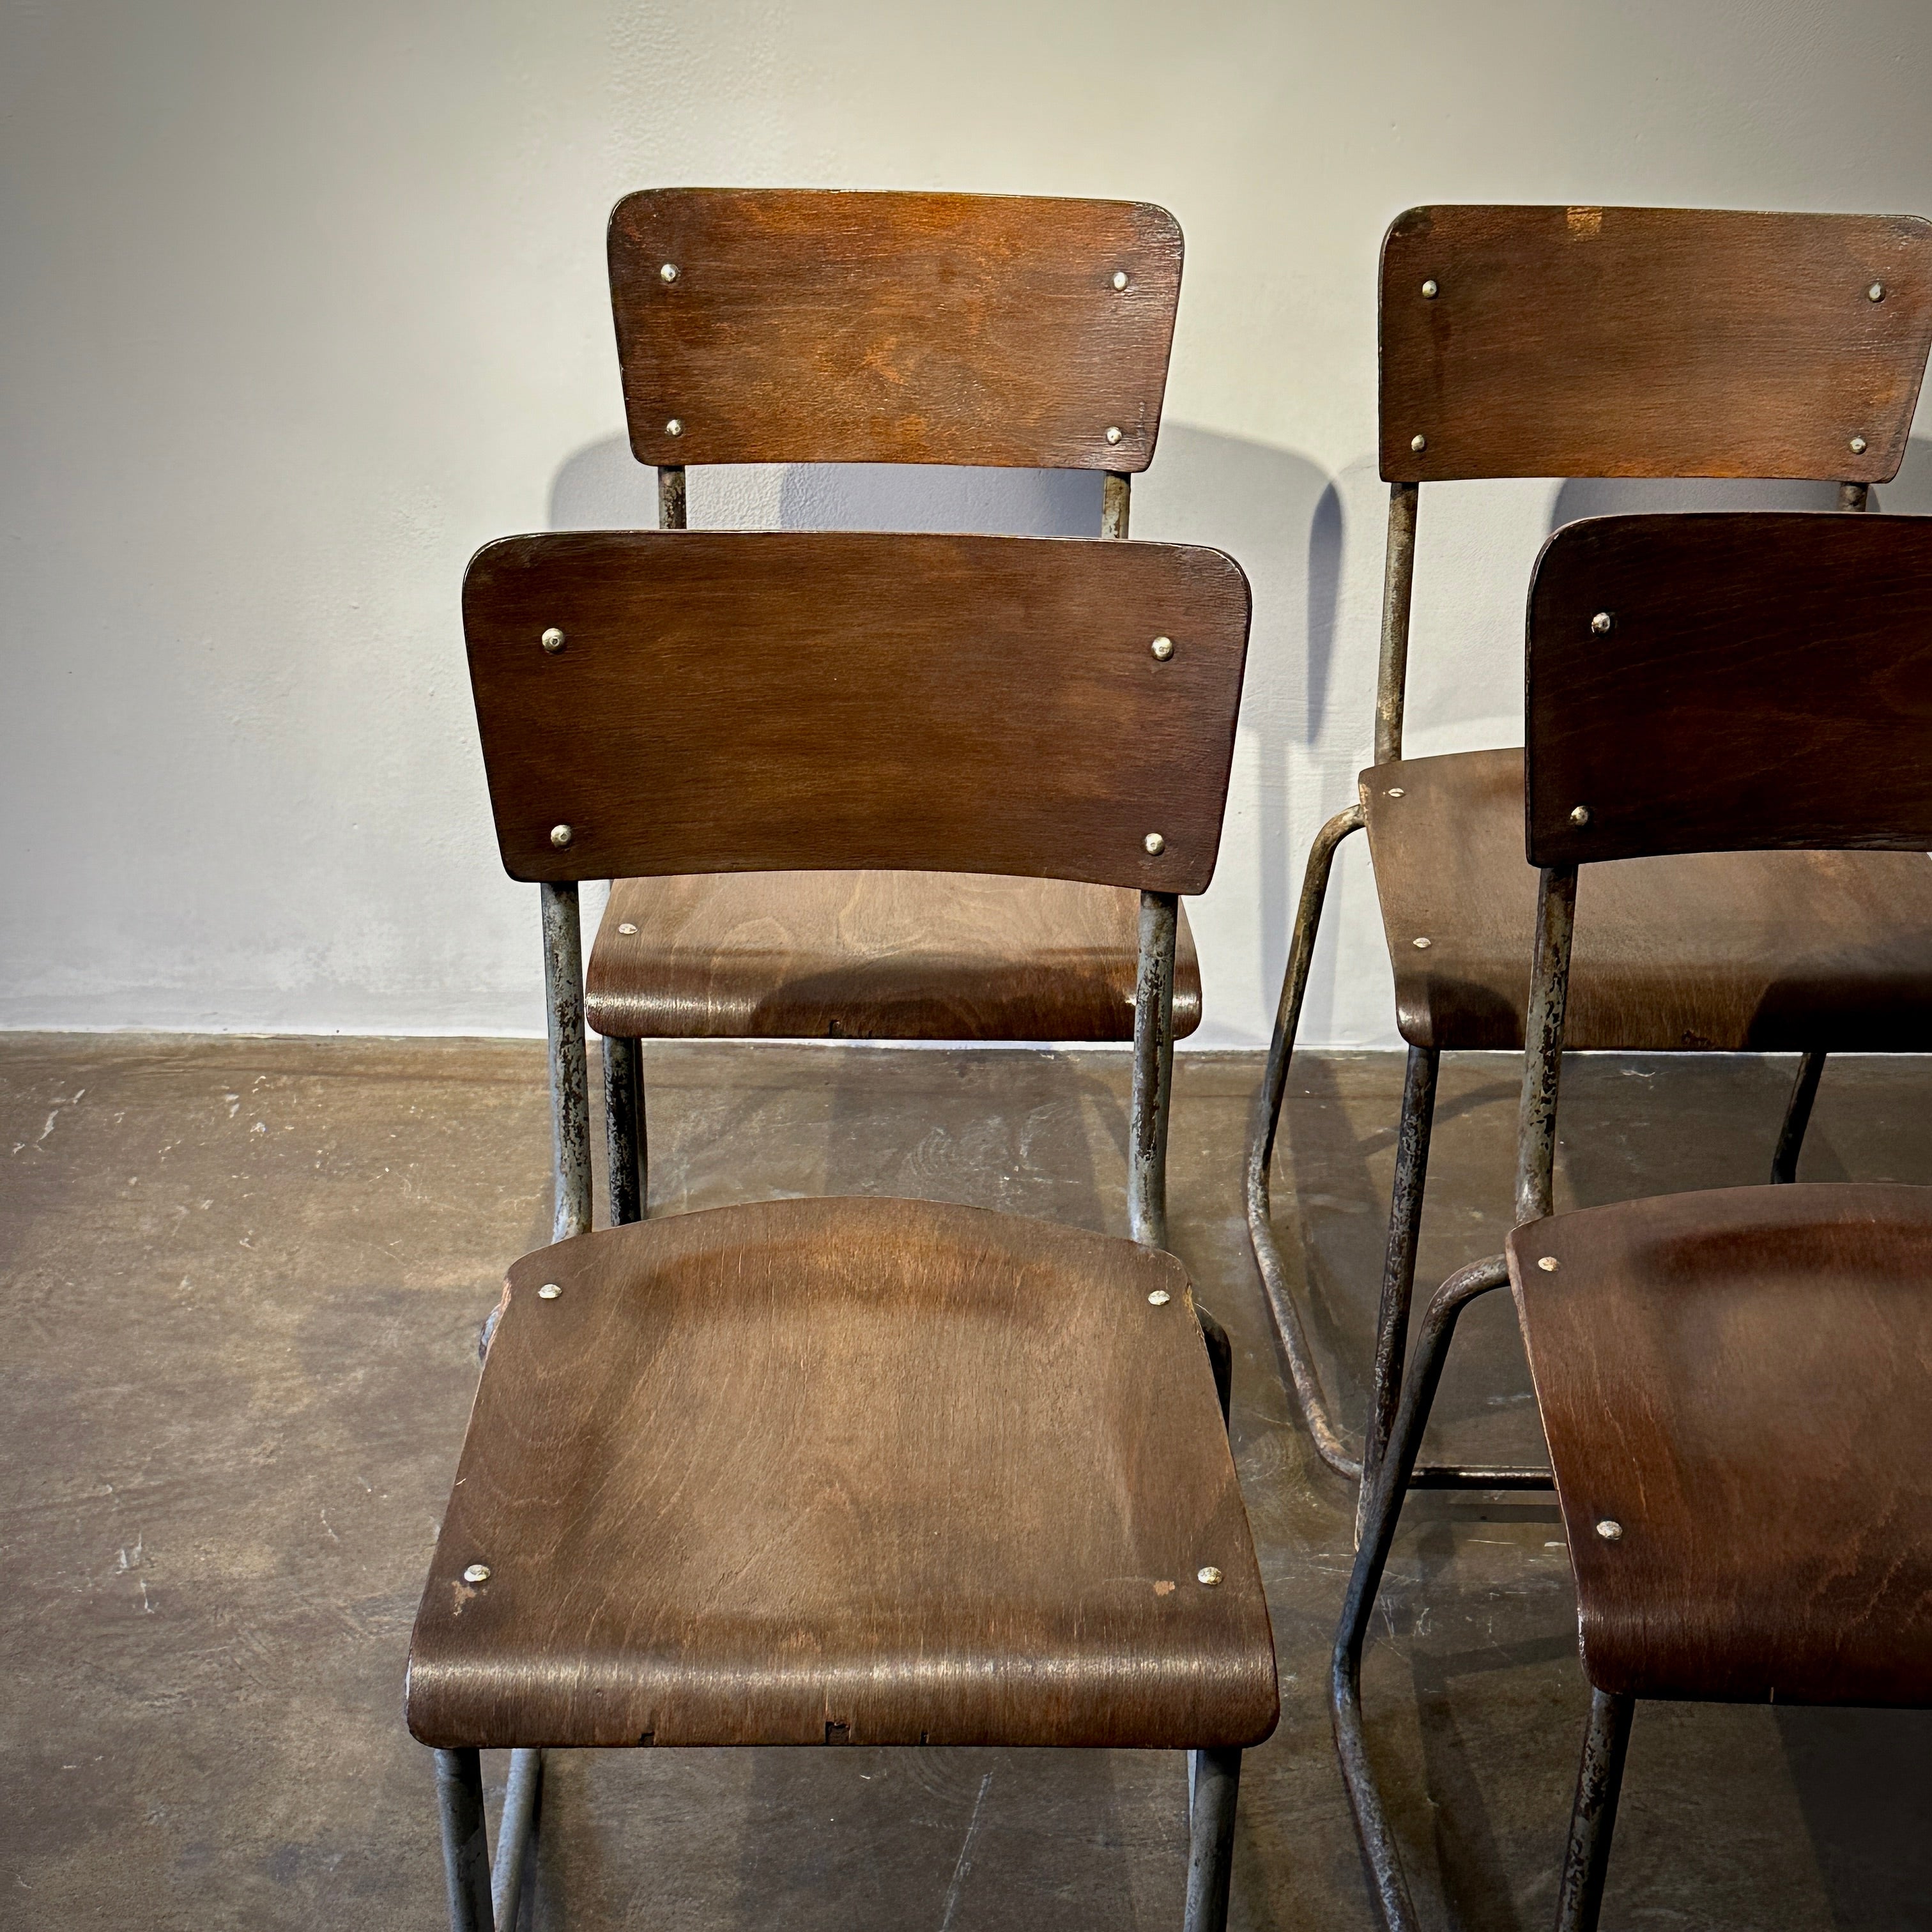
<point x="871" y="1471"/>
<point x="1740" y="1380"/>
<point x="1764" y="680"/>
<point x="873" y="955"/>
<point x="1650" y="342"/>
<point x="735" y="701"/>
<point x="1762" y="952"/>
<point x="819" y="327"/>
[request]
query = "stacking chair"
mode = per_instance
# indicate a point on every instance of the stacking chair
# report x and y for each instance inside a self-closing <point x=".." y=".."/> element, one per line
<point x="867" y="1471"/>
<point x="786" y="326"/>
<point x="1733" y="1384"/>
<point x="1610" y="342"/>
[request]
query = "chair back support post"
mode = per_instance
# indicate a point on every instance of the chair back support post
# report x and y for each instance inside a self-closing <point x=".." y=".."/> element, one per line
<point x="670" y="497"/>
<point x="569" y="1072"/>
<point x="1114" y="487"/>
<point x="1153" y="1069"/>
<point x="1854" y="496"/>
<point x="1543" y="1057"/>
<point x="1398" y="585"/>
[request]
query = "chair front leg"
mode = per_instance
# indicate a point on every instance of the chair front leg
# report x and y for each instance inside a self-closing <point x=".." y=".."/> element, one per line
<point x="1216" y="1777"/>
<point x="1600" y="1777"/>
<point x="466" y="1845"/>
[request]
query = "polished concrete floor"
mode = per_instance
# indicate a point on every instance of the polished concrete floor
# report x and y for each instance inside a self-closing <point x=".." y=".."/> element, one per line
<point x="242" y="1283"/>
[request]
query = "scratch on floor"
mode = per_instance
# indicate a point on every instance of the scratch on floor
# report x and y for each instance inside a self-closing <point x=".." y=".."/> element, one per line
<point x="965" y="1864"/>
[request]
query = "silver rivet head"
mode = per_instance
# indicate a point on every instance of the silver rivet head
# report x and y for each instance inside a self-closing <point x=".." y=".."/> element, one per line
<point x="477" y="1573"/>
<point x="1548" y="1263"/>
<point x="1609" y="1529"/>
<point x="1162" y="648"/>
<point x="1429" y="289"/>
<point x="1120" y="278"/>
<point x="560" y="835"/>
<point x="673" y="428"/>
<point x="1395" y="791"/>
<point x="1155" y="844"/>
<point x="668" y="273"/>
<point x="1421" y="945"/>
<point x="1857" y="446"/>
<point x="1600" y="623"/>
<point x="1875" y="292"/>
<point x="1580" y="814"/>
<point x="628" y="928"/>
<point x="1113" y="434"/>
<point x="553" y="640"/>
<point x="549" y="1291"/>
<point x="1160" y="1297"/>
<point x="1418" y="444"/>
<point x="1207" y="1575"/>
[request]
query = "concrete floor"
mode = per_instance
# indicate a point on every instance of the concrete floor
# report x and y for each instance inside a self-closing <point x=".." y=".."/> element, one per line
<point x="243" y="1280"/>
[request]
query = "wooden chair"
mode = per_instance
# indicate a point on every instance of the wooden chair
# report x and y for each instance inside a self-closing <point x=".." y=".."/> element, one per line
<point x="862" y="1470"/>
<point x="1609" y="342"/>
<point x="781" y="326"/>
<point x="1732" y="1384"/>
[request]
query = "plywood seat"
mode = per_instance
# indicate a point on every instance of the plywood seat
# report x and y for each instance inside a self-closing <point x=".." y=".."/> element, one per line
<point x="1761" y="952"/>
<point x="869" y="1471"/>
<point x="1736" y="1380"/>
<point x="878" y="955"/>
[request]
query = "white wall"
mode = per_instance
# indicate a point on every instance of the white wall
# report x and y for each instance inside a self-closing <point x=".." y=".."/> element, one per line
<point x="300" y="303"/>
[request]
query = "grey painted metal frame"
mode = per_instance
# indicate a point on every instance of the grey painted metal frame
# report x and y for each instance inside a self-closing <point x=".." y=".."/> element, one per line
<point x="569" y="1074"/>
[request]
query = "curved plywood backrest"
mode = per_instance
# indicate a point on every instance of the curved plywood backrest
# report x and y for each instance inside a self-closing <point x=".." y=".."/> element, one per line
<point x="1729" y="682"/>
<point x="782" y="325"/>
<point x="655" y="702"/>
<point x="1650" y="342"/>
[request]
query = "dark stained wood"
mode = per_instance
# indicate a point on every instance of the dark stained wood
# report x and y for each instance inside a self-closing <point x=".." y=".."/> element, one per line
<point x="873" y="955"/>
<point x="859" y="1471"/>
<point x="1739" y="1380"/>
<point x="820" y="327"/>
<point x="1760" y="952"/>
<point x="735" y="701"/>
<point x="1766" y="680"/>
<point x="1650" y="342"/>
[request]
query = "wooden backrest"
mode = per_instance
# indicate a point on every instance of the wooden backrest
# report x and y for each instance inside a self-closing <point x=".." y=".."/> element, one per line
<point x="781" y="325"/>
<point x="712" y="701"/>
<point x="1650" y="342"/>
<point x="1730" y="682"/>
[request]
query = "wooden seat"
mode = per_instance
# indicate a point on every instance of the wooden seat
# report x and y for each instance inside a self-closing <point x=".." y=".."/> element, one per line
<point x="1746" y="952"/>
<point x="872" y="1471"/>
<point x="1737" y="1380"/>
<point x="873" y="955"/>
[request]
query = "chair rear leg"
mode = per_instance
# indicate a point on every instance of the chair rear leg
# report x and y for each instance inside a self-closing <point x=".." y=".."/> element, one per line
<point x="1797" y="1117"/>
<point x="1291" y="1341"/>
<point x="516" y="1835"/>
<point x="1211" y="1858"/>
<point x="625" y="1149"/>
<point x="1579" y="1896"/>
<point x="466" y="1845"/>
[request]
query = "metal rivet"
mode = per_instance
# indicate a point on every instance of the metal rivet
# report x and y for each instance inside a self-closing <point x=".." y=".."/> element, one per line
<point x="1155" y="844"/>
<point x="1875" y="292"/>
<point x="1208" y="1575"/>
<point x="1548" y="1263"/>
<point x="673" y="428"/>
<point x="1120" y="278"/>
<point x="1580" y="814"/>
<point x="668" y="273"/>
<point x="549" y="1291"/>
<point x="1429" y="289"/>
<point x="628" y="929"/>
<point x="1600" y="623"/>
<point x="1395" y="791"/>
<point x="1857" y="446"/>
<point x="1421" y="945"/>
<point x="1162" y="648"/>
<point x="1160" y="1297"/>
<point x="560" y="836"/>
<point x="1609" y="1529"/>
<point x="477" y="1573"/>
<point x="1113" y="435"/>
<point x="1418" y="444"/>
<point x="553" y="640"/>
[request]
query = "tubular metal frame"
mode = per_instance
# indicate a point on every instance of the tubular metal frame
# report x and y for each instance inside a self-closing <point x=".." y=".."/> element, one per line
<point x="1296" y="1358"/>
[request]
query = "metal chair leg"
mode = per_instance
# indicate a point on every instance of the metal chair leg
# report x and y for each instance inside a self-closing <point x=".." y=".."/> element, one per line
<point x="466" y="1847"/>
<point x="1217" y="1777"/>
<point x="1797" y="1117"/>
<point x="1291" y="1341"/>
<point x="626" y="1159"/>
<point x="1378" y="1526"/>
<point x="1599" y="1777"/>
<point x="516" y="1835"/>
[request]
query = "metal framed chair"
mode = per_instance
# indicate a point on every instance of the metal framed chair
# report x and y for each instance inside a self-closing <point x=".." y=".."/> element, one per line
<point x="1608" y="342"/>
<point x="850" y="1470"/>
<point x="768" y="325"/>
<point x="1731" y="1383"/>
